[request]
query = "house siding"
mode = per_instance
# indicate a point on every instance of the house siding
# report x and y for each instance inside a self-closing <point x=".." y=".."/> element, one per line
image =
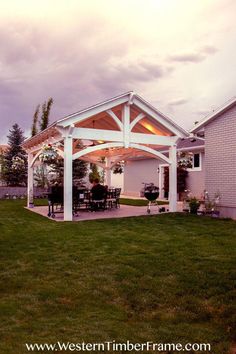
<point x="139" y="171"/>
<point x="220" y="160"/>
<point x="196" y="179"/>
<point x="146" y="170"/>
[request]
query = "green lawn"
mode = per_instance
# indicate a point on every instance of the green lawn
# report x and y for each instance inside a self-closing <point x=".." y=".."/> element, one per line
<point x="140" y="202"/>
<point x="124" y="201"/>
<point x="166" y="278"/>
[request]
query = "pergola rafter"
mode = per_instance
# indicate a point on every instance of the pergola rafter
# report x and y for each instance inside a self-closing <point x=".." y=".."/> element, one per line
<point x="135" y="128"/>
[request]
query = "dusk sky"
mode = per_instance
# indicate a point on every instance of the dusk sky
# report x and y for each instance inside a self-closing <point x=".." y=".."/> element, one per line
<point x="178" y="55"/>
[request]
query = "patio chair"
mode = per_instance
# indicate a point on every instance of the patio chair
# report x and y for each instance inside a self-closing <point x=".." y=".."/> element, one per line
<point x="98" y="199"/>
<point x="113" y="198"/>
<point x="118" y="192"/>
<point x="82" y="199"/>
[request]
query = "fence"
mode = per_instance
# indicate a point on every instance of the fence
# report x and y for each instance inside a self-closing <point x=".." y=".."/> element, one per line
<point x="20" y="192"/>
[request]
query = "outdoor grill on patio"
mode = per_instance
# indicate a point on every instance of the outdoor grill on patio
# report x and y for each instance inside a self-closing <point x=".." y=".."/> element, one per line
<point x="151" y="193"/>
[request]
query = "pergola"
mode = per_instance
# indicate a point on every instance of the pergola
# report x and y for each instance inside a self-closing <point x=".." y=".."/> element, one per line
<point x="118" y="129"/>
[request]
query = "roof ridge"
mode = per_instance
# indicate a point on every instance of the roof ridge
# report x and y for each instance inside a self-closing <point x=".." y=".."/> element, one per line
<point x="212" y="115"/>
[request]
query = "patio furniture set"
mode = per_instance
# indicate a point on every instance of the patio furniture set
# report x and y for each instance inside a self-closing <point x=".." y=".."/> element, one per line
<point x="83" y="200"/>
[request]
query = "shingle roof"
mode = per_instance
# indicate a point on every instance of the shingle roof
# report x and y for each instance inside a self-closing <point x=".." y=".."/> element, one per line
<point x="216" y="113"/>
<point x="190" y="142"/>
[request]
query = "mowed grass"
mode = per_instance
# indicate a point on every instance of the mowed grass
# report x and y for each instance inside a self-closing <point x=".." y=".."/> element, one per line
<point x="166" y="278"/>
<point x="140" y="202"/>
<point x="124" y="201"/>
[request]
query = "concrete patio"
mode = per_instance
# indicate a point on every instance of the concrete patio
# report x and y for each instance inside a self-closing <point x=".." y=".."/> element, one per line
<point x="123" y="212"/>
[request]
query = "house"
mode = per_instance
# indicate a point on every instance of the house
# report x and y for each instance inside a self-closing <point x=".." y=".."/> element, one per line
<point x="144" y="170"/>
<point x="219" y="130"/>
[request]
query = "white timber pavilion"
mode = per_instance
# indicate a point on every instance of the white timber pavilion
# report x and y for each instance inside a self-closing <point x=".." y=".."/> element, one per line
<point x="120" y="128"/>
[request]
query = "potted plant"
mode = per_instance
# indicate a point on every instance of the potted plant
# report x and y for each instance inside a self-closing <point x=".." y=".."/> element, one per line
<point x="194" y="205"/>
<point x="49" y="154"/>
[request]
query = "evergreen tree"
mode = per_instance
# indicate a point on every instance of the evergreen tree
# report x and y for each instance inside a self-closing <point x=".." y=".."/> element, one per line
<point x="34" y="129"/>
<point x="14" y="171"/>
<point x="44" y="121"/>
<point x="46" y="108"/>
<point x="94" y="174"/>
<point x="80" y="170"/>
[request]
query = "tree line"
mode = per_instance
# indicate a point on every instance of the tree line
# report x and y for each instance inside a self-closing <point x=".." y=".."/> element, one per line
<point x="13" y="160"/>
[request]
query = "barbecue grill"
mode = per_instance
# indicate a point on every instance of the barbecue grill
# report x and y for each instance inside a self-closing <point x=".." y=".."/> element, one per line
<point x="151" y="193"/>
<point x="55" y="201"/>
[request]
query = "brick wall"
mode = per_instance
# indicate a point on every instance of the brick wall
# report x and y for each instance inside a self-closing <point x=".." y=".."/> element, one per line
<point x="220" y="157"/>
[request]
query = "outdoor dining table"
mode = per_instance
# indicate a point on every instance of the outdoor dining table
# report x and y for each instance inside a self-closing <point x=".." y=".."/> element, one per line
<point x="83" y="199"/>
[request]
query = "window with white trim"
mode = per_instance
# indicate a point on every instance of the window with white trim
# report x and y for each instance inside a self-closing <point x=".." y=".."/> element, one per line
<point x="196" y="162"/>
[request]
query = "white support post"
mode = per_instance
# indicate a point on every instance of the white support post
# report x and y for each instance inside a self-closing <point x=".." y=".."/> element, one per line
<point x="30" y="182"/>
<point x="126" y="125"/>
<point x="108" y="172"/>
<point x="68" y="216"/>
<point x="173" y="179"/>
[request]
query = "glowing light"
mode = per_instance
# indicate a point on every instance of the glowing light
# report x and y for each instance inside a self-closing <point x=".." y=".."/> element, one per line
<point x="151" y="128"/>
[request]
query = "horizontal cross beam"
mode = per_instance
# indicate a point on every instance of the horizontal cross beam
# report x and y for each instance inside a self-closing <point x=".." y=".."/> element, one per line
<point x="112" y="135"/>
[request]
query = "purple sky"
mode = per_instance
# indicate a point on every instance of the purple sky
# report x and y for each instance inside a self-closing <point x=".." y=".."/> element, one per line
<point x="179" y="55"/>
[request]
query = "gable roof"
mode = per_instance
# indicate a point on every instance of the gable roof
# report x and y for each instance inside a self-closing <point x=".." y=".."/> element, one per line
<point x="216" y="113"/>
<point x="129" y="98"/>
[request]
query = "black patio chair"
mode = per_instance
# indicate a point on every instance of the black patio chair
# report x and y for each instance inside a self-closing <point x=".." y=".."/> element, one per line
<point x="113" y="198"/>
<point x="83" y="199"/>
<point x="98" y="198"/>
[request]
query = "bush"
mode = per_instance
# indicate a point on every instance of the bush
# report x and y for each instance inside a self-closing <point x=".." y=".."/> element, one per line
<point x="194" y="205"/>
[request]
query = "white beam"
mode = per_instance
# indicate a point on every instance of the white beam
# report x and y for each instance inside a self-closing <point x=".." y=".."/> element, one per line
<point x="173" y="179"/>
<point x="160" y="118"/>
<point x="39" y="146"/>
<point x="90" y="149"/>
<point x="63" y="131"/>
<point x="150" y="151"/>
<point x="108" y="172"/>
<point x="113" y="135"/>
<point x="136" y="120"/>
<point x="115" y="118"/>
<point x="68" y="151"/>
<point x="59" y="151"/>
<point x="152" y="139"/>
<point x="87" y="113"/>
<point x="131" y="97"/>
<point x="97" y="134"/>
<point x="126" y="124"/>
<point x="30" y="183"/>
<point x="70" y="131"/>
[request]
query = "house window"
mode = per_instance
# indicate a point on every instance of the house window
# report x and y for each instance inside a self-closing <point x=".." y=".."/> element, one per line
<point x="196" y="162"/>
